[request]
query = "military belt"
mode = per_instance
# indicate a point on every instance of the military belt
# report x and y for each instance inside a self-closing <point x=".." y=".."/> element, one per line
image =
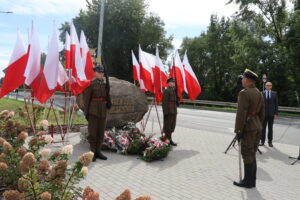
<point x="99" y="99"/>
<point x="251" y="115"/>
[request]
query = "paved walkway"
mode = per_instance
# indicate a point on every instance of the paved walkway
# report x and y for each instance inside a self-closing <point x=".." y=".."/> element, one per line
<point x="196" y="169"/>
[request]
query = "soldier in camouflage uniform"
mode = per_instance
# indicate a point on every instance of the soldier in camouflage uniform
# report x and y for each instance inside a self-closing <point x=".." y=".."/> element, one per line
<point x="95" y="110"/>
<point x="169" y="105"/>
<point x="248" y="126"/>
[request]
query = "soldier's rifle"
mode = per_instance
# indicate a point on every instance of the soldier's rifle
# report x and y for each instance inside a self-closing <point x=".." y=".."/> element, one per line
<point x="107" y="86"/>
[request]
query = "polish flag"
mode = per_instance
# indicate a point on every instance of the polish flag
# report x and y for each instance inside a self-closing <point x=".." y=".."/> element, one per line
<point x="146" y="71"/>
<point x="157" y="78"/>
<point x="86" y="57"/>
<point x="33" y="68"/>
<point x="192" y="84"/>
<point x="79" y="81"/>
<point x="62" y="77"/>
<point x="179" y="76"/>
<point x="49" y="78"/>
<point x="14" y="73"/>
<point x="163" y="73"/>
<point x="135" y="68"/>
<point x="68" y="51"/>
<point x="137" y="72"/>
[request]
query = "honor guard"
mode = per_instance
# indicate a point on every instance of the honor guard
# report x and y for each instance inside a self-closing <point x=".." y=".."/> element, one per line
<point x="95" y="110"/>
<point x="169" y="105"/>
<point x="248" y="126"/>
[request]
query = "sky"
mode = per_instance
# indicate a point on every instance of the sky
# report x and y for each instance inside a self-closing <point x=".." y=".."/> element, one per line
<point x="183" y="18"/>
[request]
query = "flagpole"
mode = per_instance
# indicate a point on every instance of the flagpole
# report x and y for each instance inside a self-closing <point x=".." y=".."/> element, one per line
<point x="100" y="36"/>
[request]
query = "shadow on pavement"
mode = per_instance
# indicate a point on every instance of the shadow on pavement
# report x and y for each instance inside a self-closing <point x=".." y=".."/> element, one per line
<point x="173" y="158"/>
<point x="253" y="194"/>
<point x="273" y="153"/>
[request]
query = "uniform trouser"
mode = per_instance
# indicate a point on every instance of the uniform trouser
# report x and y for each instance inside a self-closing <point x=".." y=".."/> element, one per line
<point x="169" y="124"/>
<point x="249" y="145"/>
<point x="268" y="120"/>
<point x="96" y="128"/>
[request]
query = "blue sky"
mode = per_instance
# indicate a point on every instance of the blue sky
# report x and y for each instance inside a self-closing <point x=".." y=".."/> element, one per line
<point x="186" y="18"/>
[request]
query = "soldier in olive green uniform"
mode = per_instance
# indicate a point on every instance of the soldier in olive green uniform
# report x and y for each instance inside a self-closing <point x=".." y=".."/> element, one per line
<point x="248" y="126"/>
<point x="169" y="105"/>
<point x="95" y="110"/>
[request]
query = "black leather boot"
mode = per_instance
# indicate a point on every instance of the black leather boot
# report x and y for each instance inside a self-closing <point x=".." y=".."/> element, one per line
<point x="247" y="181"/>
<point x="254" y="170"/>
<point x="172" y="143"/>
<point x="100" y="155"/>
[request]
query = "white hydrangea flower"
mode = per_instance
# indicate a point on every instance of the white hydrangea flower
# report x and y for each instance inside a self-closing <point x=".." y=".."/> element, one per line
<point x="44" y="124"/>
<point x="67" y="149"/>
<point x="84" y="171"/>
<point x="48" y="139"/>
<point x="11" y="114"/>
<point x="45" y="153"/>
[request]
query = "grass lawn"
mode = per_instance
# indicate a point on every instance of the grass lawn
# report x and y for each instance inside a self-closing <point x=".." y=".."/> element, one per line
<point x="41" y="112"/>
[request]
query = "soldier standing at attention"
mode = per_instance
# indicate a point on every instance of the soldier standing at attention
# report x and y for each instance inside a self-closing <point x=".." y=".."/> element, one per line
<point x="248" y="126"/>
<point x="169" y="105"/>
<point x="95" y="111"/>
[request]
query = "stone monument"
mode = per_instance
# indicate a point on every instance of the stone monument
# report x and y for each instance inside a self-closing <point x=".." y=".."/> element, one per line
<point x="129" y="103"/>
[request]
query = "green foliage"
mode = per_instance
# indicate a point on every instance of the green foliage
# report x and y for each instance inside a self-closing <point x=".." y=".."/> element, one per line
<point x="153" y="153"/>
<point x="126" y="25"/>
<point x="263" y="36"/>
<point x="137" y="146"/>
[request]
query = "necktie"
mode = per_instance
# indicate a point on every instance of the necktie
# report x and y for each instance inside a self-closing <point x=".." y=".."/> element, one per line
<point x="269" y="94"/>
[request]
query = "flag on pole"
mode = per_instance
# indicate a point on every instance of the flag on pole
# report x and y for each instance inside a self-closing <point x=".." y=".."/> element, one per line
<point x="49" y="78"/>
<point x="68" y="51"/>
<point x="157" y="78"/>
<point x="33" y="68"/>
<point x="135" y="68"/>
<point x="137" y="72"/>
<point x="192" y="84"/>
<point x="179" y="76"/>
<point x="78" y="79"/>
<point x="14" y="73"/>
<point x="86" y="57"/>
<point x="62" y="78"/>
<point x="146" y="73"/>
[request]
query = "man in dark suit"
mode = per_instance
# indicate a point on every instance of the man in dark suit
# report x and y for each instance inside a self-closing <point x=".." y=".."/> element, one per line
<point x="271" y="112"/>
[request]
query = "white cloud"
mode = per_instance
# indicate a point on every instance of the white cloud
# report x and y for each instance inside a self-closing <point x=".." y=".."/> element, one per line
<point x="43" y="7"/>
<point x="190" y="12"/>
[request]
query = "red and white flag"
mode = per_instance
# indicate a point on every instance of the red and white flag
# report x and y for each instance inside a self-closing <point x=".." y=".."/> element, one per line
<point x="62" y="78"/>
<point x="192" y="84"/>
<point x="135" y="68"/>
<point x="157" y="78"/>
<point x="79" y="81"/>
<point x="146" y="71"/>
<point x="49" y="78"/>
<point x="137" y="72"/>
<point x="68" y="51"/>
<point x="177" y="72"/>
<point x="163" y="73"/>
<point x="33" y="67"/>
<point x="86" y="57"/>
<point x="14" y="73"/>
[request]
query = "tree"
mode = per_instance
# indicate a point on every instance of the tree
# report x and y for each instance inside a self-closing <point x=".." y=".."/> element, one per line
<point x="126" y="25"/>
